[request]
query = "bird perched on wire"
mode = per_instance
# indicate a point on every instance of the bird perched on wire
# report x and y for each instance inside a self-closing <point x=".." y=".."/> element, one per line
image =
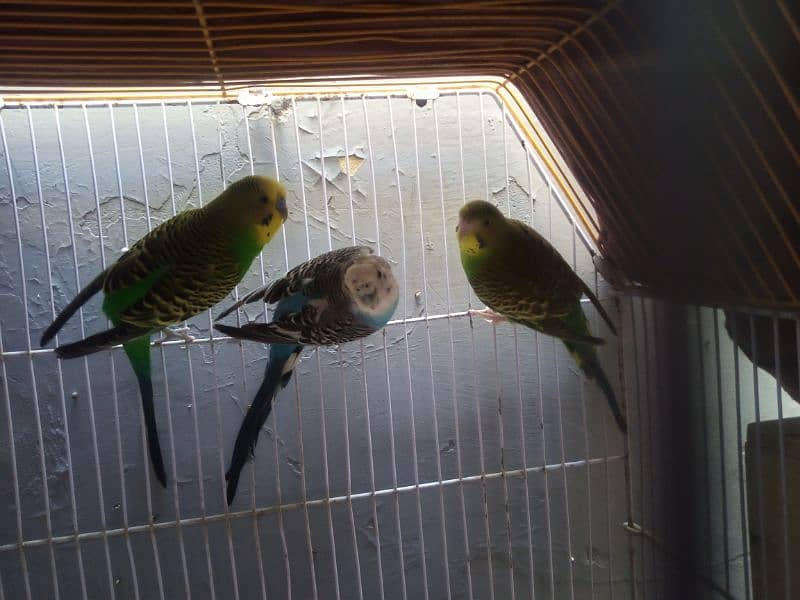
<point x="521" y="277"/>
<point x="181" y="268"/>
<point x="337" y="297"/>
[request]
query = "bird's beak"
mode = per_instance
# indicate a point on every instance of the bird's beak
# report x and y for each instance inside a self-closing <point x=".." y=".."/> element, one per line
<point x="281" y="206"/>
<point x="464" y="228"/>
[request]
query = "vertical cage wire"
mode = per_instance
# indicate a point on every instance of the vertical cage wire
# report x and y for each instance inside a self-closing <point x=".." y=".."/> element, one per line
<point x="404" y="267"/>
<point x="276" y="465"/>
<point x="370" y="457"/>
<point x="256" y="532"/>
<point x="481" y="453"/>
<point x="781" y="461"/>
<point x="723" y="458"/>
<point x="561" y="429"/>
<point x="503" y="476"/>
<point x="162" y="355"/>
<point x="740" y="465"/>
<point x="148" y="490"/>
<point x="323" y="427"/>
<point x="457" y="428"/>
<point x="36" y="410"/>
<point x="758" y="464"/>
<point x="62" y="392"/>
<point x="392" y="447"/>
<point x="307" y="523"/>
<point x="430" y="363"/>
<point x="15" y="479"/>
<point x="218" y="417"/>
<point x="348" y="462"/>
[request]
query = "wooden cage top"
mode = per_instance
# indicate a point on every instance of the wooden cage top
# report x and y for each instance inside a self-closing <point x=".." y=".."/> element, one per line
<point x="681" y="123"/>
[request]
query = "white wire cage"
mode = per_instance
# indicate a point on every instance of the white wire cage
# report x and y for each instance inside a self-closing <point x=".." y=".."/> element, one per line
<point x="441" y="457"/>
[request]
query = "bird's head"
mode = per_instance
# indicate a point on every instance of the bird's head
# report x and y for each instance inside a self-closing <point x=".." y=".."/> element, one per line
<point x="257" y="202"/>
<point x="373" y="287"/>
<point x="480" y="226"/>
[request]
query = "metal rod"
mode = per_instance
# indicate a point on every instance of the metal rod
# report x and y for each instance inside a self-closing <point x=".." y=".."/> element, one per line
<point x="62" y="393"/>
<point x="298" y="409"/>
<point x="481" y="453"/>
<point x="498" y="385"/>
<point x="36" y="411"/>
<point x="570" y="558"/>
<point x="758" y="466"/>
<point x="651" y="399"/>
<point x="276" y="466"/>
<point x="740" y="466"/>
<point x="302" y="505"/>
<point x="434" y="403"/>
<point x="459" y="464"/>
<point x="403" y="586"/>
<point x="218" y="405"/>
<point x="92" y="423"/>
<point x="348" y="466"/>
<point x="414" y="462"/>
<point x="723" y="469"/>
<point x="370" y="458"/>
<point x="640" y="423"/>
<point x="145" y="461"/>
<point x="256" y="530"/>
<point x="325" y="469"/>
<point x="787" y="572"/>
<point x="522" y="436"/>
<point x="14" y="473"/>
<point x="114" y="394"/>
<point x="582" y="393"/>
<point x="176" y="498"/>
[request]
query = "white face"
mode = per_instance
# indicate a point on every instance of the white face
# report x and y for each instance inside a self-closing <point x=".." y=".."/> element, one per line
<point x="372" y="285"/>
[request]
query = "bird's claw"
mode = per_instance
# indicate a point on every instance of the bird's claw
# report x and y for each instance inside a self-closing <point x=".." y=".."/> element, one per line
<point x="488" y="315"/>
<point x="178" y="333"/>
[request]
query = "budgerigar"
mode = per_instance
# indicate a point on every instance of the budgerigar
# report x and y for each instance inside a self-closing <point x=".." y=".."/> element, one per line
<point x="181" y="268"/>
<point x="337" y="297"/>
<point x="521" y="277"/>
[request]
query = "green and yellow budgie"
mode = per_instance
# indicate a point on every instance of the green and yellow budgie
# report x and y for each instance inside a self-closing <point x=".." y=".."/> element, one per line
<point x="181" y="268"/>
<point x="521" y="277"/>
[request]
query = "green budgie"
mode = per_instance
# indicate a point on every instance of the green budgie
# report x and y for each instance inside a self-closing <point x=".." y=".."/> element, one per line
<point x="521" y="277"/>
<point x="181" y="268"/>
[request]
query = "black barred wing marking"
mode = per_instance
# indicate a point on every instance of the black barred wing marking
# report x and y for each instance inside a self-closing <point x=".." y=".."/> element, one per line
<point x="319" y="276"/>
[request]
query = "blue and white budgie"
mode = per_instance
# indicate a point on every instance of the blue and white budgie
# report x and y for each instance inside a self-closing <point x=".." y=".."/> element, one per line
<point x="337" y="297"/>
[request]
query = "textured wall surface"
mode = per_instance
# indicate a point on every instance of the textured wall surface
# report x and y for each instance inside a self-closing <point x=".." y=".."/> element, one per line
<point x="430" y="398"/>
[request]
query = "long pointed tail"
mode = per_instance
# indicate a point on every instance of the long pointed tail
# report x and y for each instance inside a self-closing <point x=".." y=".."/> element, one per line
<point x="90" y="290"/>
<point x="280" y="365"/>
<point x="138" y="352"/>
<point x="121" y="334"/>
<point x="586" y="358"/>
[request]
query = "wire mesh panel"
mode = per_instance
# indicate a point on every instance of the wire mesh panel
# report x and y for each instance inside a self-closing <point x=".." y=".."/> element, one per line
<point x="440" y="457"/>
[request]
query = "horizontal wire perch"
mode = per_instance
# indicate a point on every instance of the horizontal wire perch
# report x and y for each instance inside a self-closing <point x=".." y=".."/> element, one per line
<point x="263" y="510"/>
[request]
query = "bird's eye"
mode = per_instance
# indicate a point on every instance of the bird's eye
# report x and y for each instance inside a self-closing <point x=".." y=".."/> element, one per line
<point x="266" y="220"/>
<point x="264" y="199"/>
<point x="456" y="228"/>
<point x="486" y="223"/>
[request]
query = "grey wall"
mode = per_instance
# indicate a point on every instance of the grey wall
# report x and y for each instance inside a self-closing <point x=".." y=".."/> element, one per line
<point x="428" y="382"/>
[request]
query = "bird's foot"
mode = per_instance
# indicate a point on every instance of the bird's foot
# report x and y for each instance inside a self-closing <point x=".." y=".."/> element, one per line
<point x="488" y="315"/>
<point x="178" y="333"/>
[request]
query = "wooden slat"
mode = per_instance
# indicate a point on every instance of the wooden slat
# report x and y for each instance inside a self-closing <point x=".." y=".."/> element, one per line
<point x="680" y="124"/>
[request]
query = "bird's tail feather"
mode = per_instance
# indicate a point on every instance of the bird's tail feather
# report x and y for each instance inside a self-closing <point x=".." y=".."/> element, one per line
<point x="138" y="351"/>
<point x="121" y="334"/>
<point x="90" y="290"/>
<point x="585" y="357"/>
<point x="279" y="369"/>
<point x="266" y="333"/>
